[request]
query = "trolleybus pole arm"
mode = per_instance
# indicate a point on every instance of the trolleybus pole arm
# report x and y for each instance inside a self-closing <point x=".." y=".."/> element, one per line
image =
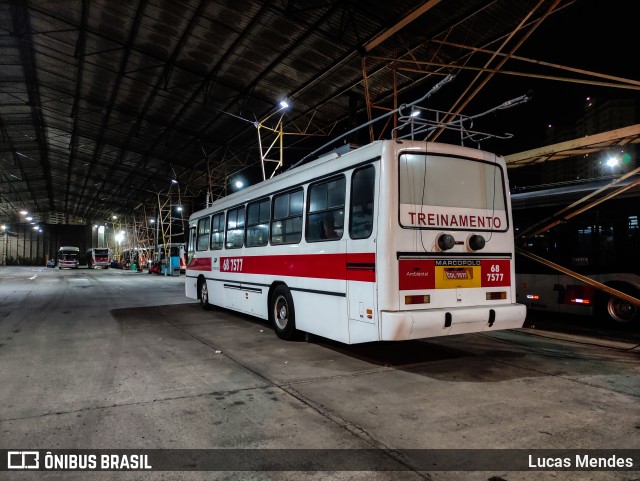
<point x="433" y="89"/>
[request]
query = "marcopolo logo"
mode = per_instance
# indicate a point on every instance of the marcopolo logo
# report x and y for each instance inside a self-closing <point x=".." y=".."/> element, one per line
<point x="23" y="460"/>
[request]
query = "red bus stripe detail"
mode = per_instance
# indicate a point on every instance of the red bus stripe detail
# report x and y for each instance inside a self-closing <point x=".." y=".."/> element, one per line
<point x="316" y="266"/>
<point x="200" y="264"/>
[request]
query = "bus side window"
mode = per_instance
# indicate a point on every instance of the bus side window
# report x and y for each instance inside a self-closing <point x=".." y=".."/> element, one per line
<point x="286" y="223"/>
<point x="258" y="214"/>
<point x="235" y="228"/>
<point x="191" y="245"/>
<point x="325" y="216"/>
<point x="362" y="197"/>
<point x="217" y="231"/>
<point x="203" y="234"/>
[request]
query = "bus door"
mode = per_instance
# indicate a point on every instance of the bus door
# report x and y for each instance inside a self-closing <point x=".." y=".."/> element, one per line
<point x="361" y="255"/>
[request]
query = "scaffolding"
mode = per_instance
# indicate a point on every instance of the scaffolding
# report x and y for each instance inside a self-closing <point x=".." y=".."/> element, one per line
<point x="170" y="228"/>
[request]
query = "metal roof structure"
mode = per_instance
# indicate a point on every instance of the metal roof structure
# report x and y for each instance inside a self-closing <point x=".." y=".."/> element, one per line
<point x="104" y="103"/>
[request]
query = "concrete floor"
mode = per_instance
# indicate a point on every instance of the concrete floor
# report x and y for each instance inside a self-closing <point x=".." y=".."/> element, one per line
<point x="107" y="359"/>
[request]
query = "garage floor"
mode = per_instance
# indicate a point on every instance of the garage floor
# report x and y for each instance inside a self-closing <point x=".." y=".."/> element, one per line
<point x="118" y="359"/>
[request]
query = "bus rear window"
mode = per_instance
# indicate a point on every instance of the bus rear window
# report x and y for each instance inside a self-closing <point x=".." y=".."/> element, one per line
<point x="467" y="193"/>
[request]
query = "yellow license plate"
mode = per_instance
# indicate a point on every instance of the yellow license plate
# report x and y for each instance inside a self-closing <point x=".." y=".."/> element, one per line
<point x="453" y="277"/>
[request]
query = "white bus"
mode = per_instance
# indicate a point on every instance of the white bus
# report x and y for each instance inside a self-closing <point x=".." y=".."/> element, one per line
<point x="99" y="257"/>
<point x="68" y="257"/>
<point x="601" y="243"/>
<point x="395" y="240"/>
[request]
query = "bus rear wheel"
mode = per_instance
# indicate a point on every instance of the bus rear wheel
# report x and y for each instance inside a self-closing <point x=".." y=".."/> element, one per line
<point x="282" y="313"/>
<point x="203" y="290"/>
<point x="621" y="312"/>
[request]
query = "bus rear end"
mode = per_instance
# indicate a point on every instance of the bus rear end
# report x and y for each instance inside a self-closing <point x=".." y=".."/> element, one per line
<point x="448" y="255"/>
<point x="101" y="258"/>
<point x="68" y="257"/>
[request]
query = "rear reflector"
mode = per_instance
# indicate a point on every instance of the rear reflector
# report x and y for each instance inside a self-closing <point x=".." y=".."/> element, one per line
<point x="417" y="299"/>
<point x="492" y="296"/>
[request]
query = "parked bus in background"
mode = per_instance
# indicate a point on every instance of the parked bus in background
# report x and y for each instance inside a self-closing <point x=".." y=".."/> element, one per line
<point x="98" y="257"/>
<point x="68" y="256"/>
<point x="177" y="256"/>
<point x="602" y="243"/>
<point x="135" y="258"/>
<point x="395" y="240"/>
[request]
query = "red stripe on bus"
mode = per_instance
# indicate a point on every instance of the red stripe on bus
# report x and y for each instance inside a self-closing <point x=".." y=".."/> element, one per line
<point x="200" y="264"/>
<point x="352" y="267"/>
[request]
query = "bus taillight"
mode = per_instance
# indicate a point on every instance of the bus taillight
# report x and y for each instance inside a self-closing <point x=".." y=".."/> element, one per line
<point x="580" y="301"/>
<point x="417" y="299"/>
<point x="493" y="296"/>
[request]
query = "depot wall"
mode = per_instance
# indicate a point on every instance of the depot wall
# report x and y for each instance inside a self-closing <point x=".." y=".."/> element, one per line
<point x="21" y="244"/>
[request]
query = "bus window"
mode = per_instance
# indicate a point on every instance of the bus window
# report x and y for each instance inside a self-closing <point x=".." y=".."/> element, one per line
<point x="217" y="231"/>
<point x="258" y="214"/>
<point x="427" y="180"/>
<point x="235" y="228"/>
<point x="191" y="250"/>
<point x="286" y="226"/>
<point x="203" y="234"/>
<point x="361" y="213"/>
<point x="325" y="220"/>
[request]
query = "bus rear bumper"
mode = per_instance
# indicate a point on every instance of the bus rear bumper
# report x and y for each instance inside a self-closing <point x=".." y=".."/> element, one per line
<point x="398" y="326"/>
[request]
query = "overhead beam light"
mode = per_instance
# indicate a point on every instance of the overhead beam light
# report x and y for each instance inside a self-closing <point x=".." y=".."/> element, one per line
<point x="613" y="161"/>
<point x="284" y="104"/>
<point x="174" y="181"/>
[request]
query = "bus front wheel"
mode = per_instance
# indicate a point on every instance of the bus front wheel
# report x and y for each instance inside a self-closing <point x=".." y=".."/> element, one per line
<point x="620" y="311"/>
<point x="282" y="313"/>
<point x="204" y="294"/>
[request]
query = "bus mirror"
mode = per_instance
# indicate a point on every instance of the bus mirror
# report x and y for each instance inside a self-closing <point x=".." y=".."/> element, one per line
<point x="446" y="242"/>
<point x="476" y="242"/>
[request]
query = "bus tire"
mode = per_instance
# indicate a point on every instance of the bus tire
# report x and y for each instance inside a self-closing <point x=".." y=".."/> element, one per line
<point x="282" y="313"/>
<point x="203" y="294"/>
<point x="618" y="311"/>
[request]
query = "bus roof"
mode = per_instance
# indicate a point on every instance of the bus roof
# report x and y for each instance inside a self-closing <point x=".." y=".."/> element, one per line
<point x="566" y="193"/>
<point x="314" y="168"/>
